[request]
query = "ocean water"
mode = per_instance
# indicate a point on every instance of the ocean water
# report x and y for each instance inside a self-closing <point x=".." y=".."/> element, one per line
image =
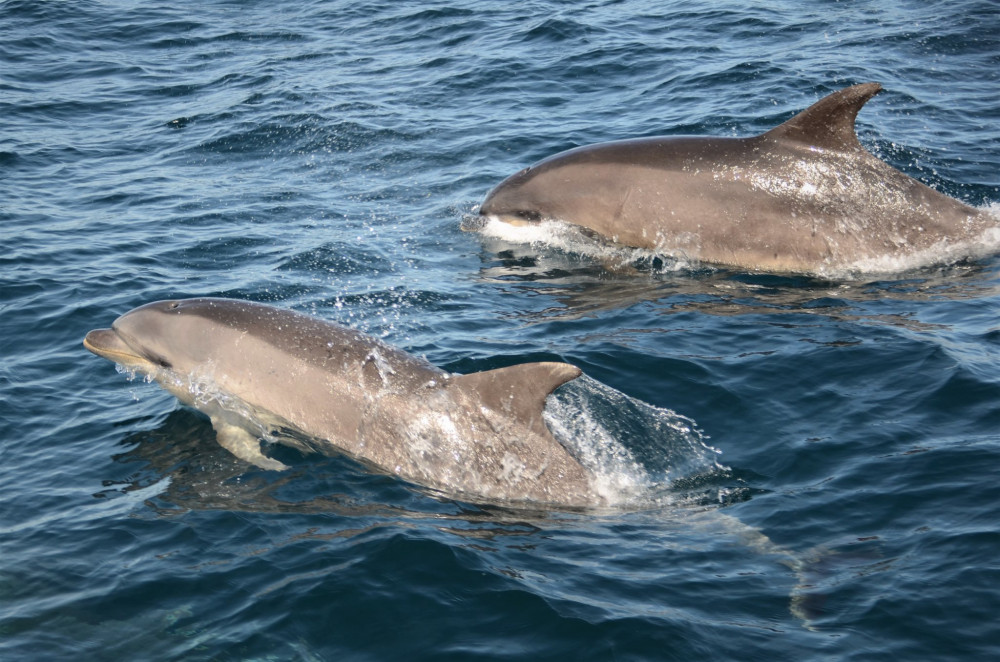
<point x="823" y="452"/>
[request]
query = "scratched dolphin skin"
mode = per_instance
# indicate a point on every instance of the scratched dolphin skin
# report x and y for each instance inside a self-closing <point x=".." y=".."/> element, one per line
<point x="802" y="197"/>
<point x="253" y="367"/>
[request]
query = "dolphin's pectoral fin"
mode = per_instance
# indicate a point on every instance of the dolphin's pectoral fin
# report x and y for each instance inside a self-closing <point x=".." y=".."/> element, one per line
<point x="828" y="123"/>
<point x="243" y="445"/>
<point x="520" y="390"/>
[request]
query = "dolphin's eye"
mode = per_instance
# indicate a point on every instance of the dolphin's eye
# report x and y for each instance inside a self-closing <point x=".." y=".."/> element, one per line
<point x="173" y="304"/>
<point x="160" y="361"/>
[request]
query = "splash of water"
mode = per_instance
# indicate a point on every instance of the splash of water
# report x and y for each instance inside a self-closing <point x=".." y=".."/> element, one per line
<point x="570" y="238"/>
<point x="635" y="450"/>
<point x="943" y="252"/>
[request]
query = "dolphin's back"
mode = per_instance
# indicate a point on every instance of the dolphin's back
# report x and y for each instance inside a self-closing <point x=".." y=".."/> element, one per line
<point x="481" y="435"/>
<point x="309" y="339"/>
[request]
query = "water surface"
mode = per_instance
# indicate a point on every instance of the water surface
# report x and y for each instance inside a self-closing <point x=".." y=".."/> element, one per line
<point x="322" y="156"/>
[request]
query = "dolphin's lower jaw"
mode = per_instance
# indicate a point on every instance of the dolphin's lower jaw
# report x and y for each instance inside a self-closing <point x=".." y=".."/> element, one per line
<point x="485" y="216"/>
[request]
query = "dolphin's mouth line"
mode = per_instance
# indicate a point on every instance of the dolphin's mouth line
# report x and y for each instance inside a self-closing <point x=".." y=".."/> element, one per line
<point x="108" y="344"/>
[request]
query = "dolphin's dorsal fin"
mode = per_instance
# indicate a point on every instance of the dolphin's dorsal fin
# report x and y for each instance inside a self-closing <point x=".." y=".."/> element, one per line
<point x="828" y="123"/>
<point x="519" y="390"/>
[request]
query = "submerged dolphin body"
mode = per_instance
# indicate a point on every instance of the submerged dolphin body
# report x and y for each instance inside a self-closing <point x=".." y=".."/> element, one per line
<point x="802" y="197"/>
<point x="253" y="367"/>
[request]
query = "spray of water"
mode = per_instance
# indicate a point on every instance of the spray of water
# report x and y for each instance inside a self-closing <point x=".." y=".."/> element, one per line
<point x="636" y="451"/>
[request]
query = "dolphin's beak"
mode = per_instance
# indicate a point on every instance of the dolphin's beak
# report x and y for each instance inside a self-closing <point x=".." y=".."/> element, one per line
<point x="107" y="344"/>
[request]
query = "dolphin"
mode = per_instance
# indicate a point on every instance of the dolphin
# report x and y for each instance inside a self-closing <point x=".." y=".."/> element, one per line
<point x="804" y="197"/>
<point x="255" y="369"/>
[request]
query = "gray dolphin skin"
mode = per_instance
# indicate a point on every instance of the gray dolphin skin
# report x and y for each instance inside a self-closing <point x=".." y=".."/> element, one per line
<point x="253" y="367"/>
<point x="802" y="197"/>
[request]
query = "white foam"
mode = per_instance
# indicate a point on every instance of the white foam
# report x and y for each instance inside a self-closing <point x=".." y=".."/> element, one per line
<point x="571" y="238"/>
<point x="945" y="252"/>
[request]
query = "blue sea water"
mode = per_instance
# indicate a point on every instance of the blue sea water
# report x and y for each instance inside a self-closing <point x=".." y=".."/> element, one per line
<point x="831" y="445"/>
